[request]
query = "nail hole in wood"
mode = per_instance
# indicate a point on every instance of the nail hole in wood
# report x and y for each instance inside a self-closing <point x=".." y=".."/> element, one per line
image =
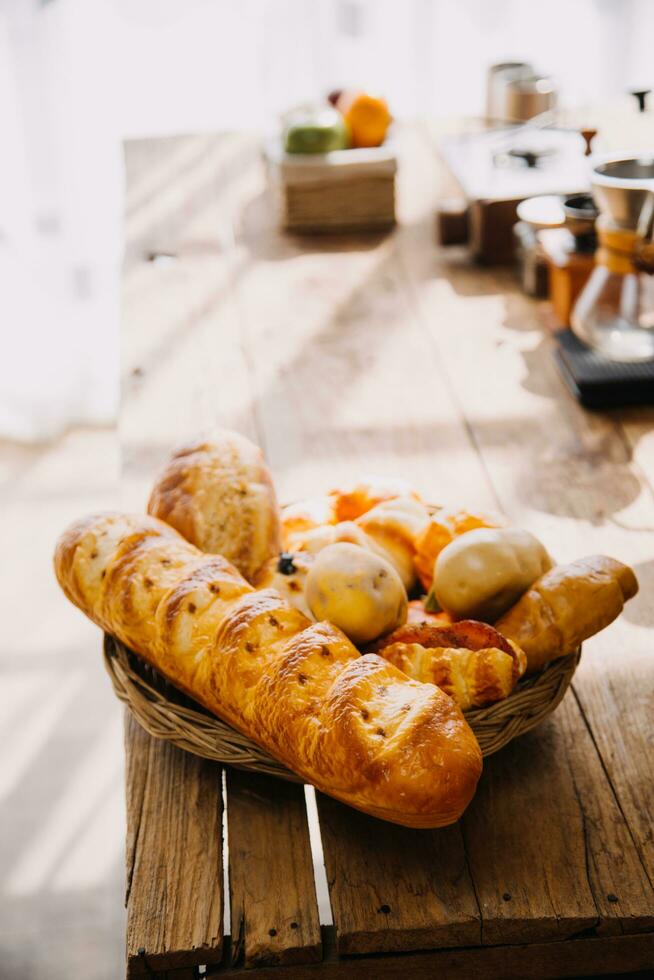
<point x="272" y="932"/>
<point x="385" y="909"/>
<point x="161" y="258"/>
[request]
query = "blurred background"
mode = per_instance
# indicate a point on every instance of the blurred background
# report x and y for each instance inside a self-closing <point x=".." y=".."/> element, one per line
<point x="77" y="78"/>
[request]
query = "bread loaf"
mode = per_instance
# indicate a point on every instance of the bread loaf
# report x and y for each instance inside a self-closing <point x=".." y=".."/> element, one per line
<point x="218" y="493"/>
<point x="566" y="606"/>
<point x="355" y="727"/>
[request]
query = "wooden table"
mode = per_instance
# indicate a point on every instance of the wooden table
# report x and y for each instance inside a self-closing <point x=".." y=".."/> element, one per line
<point x="341" y="357"/>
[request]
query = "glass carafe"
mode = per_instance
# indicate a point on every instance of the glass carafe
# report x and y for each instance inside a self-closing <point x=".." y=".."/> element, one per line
<point x="615" y="311"/>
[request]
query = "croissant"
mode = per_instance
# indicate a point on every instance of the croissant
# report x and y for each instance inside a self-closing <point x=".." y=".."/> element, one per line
<point x="355" y="727"/>
<point x="470" y="661"/>
<point x="219" y="495"/>
<point x="566" y="606"/>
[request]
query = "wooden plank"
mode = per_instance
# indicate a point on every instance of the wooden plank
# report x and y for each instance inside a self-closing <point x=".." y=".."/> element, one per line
<point x="183" y="365"/>
<point x="274" y="912"/>
<point x="550" y="853"/>
<point x="394" y="889"/>
<point x="343" y="379"/>
<point x="182" y="192"/>
<point x="573" y="958"/>
<point x="174" y="873"/>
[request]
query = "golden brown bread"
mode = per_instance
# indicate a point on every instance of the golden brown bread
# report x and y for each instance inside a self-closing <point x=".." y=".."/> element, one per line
<point x="350" y="502"/>
<point x="470" y="661"/>
<point x="304" y="515"/>
<point x="354" y="726"/>
<point x="389" y="529"/>
<point x="566" y="606"/>
<point x="287" y="574"/>
<point x="218" y="493"/>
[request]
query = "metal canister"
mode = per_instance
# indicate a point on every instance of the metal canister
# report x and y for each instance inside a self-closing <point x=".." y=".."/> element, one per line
<point x="525" y="98"/>
<point x="497" y="79"/>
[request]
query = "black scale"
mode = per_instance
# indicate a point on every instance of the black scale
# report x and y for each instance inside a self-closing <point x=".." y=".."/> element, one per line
<point x="598" y="382"/>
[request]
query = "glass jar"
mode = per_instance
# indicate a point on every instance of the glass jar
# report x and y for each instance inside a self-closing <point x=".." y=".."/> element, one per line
<point x="615" y="311"/>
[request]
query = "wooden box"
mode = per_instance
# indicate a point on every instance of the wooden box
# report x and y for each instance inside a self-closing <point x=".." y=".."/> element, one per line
<point x="347" y="190"/>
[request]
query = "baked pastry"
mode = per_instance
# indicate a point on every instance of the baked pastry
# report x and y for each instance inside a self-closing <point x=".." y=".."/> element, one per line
<point x="356" y="590"/>
<point x="287" y="574"/>
<point x="481" y="574"/>
<point x="352" y="501"/>
<point x="470" y="661"/>
<point x="416" y="613"/>
<point x="305" y="515"/>
<point x="393" y="527"/>
<point x="218" y="493"/>
<point x="566" y="606"/>
<point x="389" y="529"/>
<point x="356" y="727"/>
<point x="444" y="526"/>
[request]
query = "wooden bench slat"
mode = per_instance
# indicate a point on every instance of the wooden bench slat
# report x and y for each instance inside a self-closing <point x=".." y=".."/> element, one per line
<point x="274" y="912"/>
<point x="550" y="853"/>
<point x="175" y="867"/>
<point x="540" y="961"/>
<point x="392" y="888"/>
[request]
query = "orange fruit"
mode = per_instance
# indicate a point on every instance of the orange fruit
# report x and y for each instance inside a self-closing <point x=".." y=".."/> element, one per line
<point x="367" y="116"/>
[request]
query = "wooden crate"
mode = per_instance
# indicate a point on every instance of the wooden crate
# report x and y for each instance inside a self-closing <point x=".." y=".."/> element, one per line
<point x="348" y="190"/>
<point x="491" y="896"/>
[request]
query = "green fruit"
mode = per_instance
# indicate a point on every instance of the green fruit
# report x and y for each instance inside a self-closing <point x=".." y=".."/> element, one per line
<point x="316" y="131"/>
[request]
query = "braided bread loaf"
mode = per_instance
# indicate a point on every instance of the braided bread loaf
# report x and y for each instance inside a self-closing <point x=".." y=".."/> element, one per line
<point x="355" y="727"/>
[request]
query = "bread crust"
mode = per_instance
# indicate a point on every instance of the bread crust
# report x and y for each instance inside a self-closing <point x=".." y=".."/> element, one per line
<point x="218" y="493"/>
<point x="567" y="605"/>
<point x="355" y="727"/>
<point x="470" y="661"/>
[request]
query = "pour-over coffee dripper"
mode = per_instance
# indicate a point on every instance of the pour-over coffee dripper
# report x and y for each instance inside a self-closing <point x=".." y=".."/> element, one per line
<point x="615" y="311"/>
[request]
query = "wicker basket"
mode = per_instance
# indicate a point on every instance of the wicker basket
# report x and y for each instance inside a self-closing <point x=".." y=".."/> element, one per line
<point x="166" y="713"/>
<point x="347" y="190"/>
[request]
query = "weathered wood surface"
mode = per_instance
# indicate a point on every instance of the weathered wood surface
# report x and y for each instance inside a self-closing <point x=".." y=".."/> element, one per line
<point x="574" y="958"/>
<point x="396" y="889"/>
<point x="274" y="912"/>
<point x="367" y="354"/>
<point x="174" y="857"/>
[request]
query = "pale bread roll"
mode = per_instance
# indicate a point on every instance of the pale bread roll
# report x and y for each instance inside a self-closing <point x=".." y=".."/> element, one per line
<point x="218" y="493"/>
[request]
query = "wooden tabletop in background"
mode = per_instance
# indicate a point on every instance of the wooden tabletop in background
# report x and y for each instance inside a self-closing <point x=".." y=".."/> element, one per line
<point x="344" y="356"/>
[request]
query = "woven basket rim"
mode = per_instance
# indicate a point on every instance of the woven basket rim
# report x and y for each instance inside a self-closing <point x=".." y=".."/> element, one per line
<point x="165" y="712"/>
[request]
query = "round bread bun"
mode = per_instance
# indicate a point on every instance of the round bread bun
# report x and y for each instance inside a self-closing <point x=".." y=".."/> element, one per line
<point x="356" y="590"/>
<point x="218" y="493"/>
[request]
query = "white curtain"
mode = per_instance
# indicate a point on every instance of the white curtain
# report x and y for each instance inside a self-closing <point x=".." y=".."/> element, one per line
<point x="78" y="76"/>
